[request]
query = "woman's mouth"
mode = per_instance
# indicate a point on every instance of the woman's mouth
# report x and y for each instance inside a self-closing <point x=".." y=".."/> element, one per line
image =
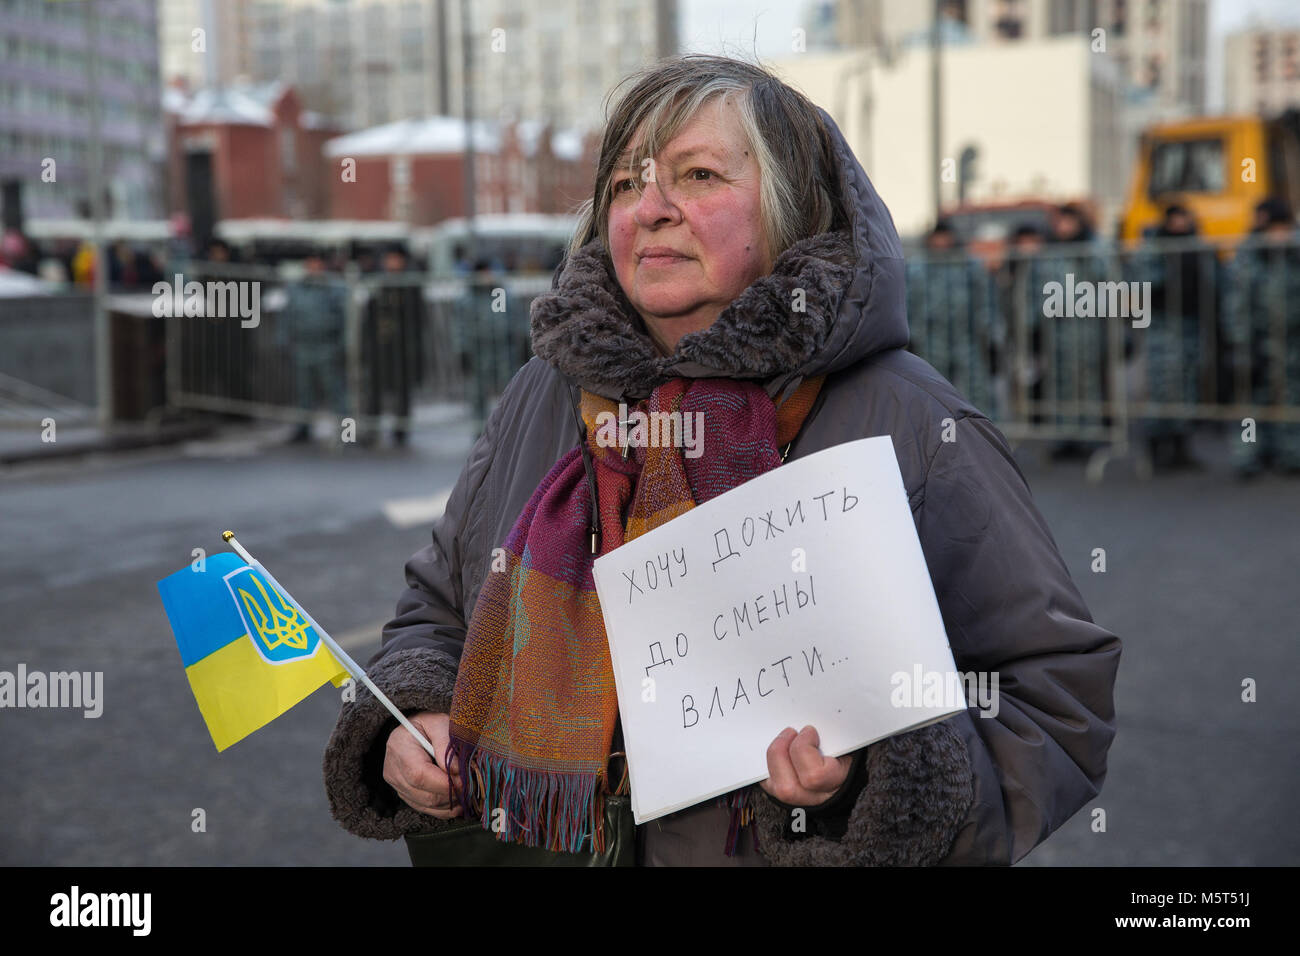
<point x="662" y="260"/>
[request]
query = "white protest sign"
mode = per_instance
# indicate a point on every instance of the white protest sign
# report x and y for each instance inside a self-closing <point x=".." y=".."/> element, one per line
<point x="800" y="597"/>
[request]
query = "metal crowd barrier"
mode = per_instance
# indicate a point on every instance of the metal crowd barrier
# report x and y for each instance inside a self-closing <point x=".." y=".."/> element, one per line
<point x="47" y="359"/>
<point x="1091" y="343"/>
<point x="377" y="348"/>
<point x="1107" y="346"/>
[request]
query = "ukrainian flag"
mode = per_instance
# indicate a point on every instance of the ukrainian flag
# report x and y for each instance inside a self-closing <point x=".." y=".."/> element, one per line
<point x="248" y="653"/>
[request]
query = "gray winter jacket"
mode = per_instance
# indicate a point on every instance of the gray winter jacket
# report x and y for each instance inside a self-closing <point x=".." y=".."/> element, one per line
<point x="969" y="790"/>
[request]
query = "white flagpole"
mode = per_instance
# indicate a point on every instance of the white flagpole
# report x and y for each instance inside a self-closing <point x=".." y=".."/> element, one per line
<point x="348" y="663"/>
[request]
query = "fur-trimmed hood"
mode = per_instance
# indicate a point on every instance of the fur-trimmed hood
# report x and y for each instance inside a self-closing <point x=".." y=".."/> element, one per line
<point x="853" y="305"/>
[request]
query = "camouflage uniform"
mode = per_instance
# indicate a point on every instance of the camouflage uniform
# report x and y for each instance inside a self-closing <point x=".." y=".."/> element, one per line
<point x="1021" y="282"/>
<point x="1263" y="319"/>
<point x="1070" y="349"/>
<point x="1183" y="285"/>
<point x="392" y="350"/>
<point x="951" y="310"/>
<point x="312" y="327"/>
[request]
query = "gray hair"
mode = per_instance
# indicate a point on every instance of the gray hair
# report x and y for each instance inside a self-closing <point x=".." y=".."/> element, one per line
<point x="799" y="192"/>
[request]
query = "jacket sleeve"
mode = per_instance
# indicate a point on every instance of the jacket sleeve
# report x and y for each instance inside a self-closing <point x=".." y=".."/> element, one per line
<point x="1011" y="611"/>
<point x="416" y="666"/>
<point x="903" y="800"/>
<point x="977" y="788"/>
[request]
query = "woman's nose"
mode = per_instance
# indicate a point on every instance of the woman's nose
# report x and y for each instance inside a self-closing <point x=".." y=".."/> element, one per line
<point x="655" y="206"/>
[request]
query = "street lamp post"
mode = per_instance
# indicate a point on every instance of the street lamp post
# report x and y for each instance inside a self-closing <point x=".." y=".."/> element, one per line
<point x="103" y="360"/>
<point x="936" y="105"/>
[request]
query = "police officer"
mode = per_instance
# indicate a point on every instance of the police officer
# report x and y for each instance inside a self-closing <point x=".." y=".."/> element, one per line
<point x="1263" y="329"/>
<point x="1183" y="281"/>
<point x="393" y="344"/>
<point x="1020" y="280"/>
<point x="951" y="311"/>
<point x="314" y="333"/>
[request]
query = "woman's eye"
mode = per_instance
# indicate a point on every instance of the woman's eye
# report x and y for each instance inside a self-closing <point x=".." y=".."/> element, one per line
<point x="708" y="173"/>
<point x="618" y="185"/>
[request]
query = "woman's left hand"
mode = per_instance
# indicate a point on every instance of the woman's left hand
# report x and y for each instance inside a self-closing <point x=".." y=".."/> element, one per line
<point x="798" y="773"/>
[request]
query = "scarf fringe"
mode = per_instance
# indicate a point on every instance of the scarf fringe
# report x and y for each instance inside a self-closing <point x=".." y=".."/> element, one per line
<point x="742" y="816"/>
<point x="567" y="806"/>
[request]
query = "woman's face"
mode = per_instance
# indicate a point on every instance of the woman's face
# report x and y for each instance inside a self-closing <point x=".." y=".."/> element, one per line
<point x="701" y="213"/>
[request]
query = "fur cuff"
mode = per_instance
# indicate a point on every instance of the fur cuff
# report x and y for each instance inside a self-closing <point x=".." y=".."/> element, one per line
<point x="919" y="789"/>
<point x="414" y="679"/>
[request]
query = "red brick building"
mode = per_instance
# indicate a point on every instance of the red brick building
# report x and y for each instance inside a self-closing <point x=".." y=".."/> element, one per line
<point x="414" y="170"/>
<point x="263" y="150"/>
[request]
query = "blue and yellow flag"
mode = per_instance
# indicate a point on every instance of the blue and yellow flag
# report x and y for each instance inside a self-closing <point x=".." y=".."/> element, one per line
<point x="249" y="654"/>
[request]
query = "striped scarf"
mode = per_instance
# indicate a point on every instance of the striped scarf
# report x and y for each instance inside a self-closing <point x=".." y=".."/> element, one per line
<point x="534" y="708"/>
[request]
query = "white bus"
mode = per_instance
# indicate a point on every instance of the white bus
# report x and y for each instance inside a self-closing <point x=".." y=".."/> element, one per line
<point x="504" y="242"/>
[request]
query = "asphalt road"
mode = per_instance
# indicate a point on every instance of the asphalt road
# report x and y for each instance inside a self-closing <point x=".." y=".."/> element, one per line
<point x="85" y="543"/>
<point x="1200" y="584"/>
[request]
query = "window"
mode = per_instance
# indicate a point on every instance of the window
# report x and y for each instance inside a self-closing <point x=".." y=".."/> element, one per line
<point x="1062" y="17"/>
<point x="1289" y="66"/>
<point x="1009" y="22"/>
<point x="400" y="171"/>
<point x="1152" y="79"/>
<point x="1186" y="166"/>
<point x="287" y="155"/>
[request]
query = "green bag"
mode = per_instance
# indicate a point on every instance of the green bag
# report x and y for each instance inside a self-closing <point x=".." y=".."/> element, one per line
<point x="466" y="843"/>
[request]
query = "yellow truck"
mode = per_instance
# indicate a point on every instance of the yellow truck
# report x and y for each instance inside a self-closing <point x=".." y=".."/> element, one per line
<point x="1218" y="168"/>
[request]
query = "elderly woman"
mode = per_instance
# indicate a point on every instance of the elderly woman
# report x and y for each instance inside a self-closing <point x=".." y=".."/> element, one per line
<point x="734" y="260"/>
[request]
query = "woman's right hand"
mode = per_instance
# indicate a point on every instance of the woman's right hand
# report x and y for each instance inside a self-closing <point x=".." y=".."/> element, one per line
<point x="408" y="768"/>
